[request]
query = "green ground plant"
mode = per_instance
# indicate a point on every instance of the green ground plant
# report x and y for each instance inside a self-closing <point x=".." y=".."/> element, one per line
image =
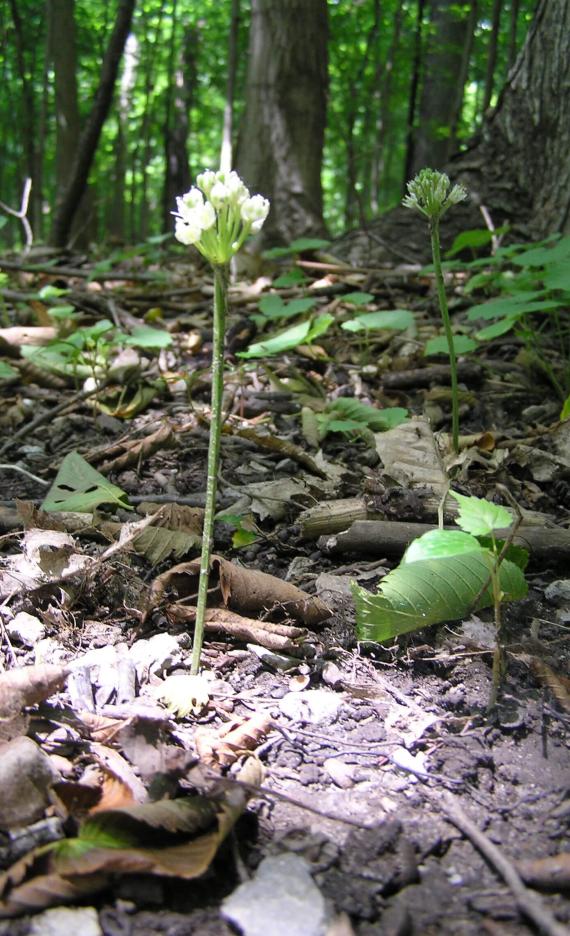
<point x="216" y="216"/>
<point x="431" y="195"/>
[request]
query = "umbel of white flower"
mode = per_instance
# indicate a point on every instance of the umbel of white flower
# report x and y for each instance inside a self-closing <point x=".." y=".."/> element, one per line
<point x="431" y="193"/>
<point x="218" y="214"/>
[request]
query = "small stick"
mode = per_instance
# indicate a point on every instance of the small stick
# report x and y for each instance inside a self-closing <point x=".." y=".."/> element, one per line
<point x="529" y="904"/>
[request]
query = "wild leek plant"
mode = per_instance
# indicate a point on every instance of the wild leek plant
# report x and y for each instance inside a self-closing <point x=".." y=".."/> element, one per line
<point x="216" y="217"/>
<point x="431" y="194"/>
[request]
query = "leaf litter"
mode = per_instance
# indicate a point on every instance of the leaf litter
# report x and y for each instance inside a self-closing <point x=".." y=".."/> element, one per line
<point x="327" y="755"/>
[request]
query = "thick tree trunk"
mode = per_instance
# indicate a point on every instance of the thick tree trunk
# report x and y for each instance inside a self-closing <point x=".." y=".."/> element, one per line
<point x="449" y="24"/>
<point x="519" y="165"/>
<point x="182" y="93"/>
<point x="280" y="145"/>
<point x="85" y="154"/>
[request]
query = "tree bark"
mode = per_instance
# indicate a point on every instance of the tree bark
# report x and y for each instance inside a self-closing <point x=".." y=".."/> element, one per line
<point x="518" y="166"/>
<point x="85" y="154"/>
<point x="181" y="97"/>
<point x="438" y="105"/>
<point x="226" y="152"/>
<point x="280" y="145"/>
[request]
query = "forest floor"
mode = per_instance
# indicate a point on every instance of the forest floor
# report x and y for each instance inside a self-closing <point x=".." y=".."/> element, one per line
<point x="383" y="795"/>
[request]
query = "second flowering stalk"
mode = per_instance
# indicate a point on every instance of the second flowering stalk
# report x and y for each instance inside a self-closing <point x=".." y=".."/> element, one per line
<point x="216" y="216"/>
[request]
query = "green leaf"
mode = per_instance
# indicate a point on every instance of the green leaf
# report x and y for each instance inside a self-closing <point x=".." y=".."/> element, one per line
<point x="78" y="487"/>
<point x="303" y="333"/>
<point x="565" y="413"/>
<point x="557" y="276"/>
<point x="309" y="243"/>
<point x="497" y="329"/>
<point x="512" y="305"/>
<point x="395" y="319"/>
<point x="291" y="278"/>
<point x="436" y="544"/>
<point x="379" y="420"/>
<point x="470" y="240"/>
<point x="358" y="298"/>
<point x="462" y="344"/>
<point x="52" y="292"/>
<point x="143" y="336"/>
<point x="480" y="517"/>
<point x="429" y="591"/>
<point x="7" y="372"/>
<point x="63" y="312"/>
<point x="544" y="256"/>
<point x="274" y="308"/>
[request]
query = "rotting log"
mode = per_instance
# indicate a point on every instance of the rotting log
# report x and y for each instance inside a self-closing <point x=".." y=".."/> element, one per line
<point x="378" y="538"/>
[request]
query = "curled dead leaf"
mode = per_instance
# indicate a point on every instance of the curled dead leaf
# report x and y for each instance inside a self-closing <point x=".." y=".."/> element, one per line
<point x="246" y="591"/>
<point x="222" y="747"/>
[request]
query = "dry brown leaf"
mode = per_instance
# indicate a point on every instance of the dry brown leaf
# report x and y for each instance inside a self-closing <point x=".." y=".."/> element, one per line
<point x="551" y="874"/>
<point x="246" y="591"/>
<point x="280" y="638"/>
<point x="28" y="685"/>
<point x="132" y="452"/>
<point x="223" y="747"/>
<point x="114" y="765"/>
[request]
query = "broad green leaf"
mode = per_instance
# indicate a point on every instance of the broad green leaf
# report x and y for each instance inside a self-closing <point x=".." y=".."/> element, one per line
<point x="379" y="420"/>
<point x="436" y="544"/>
<point x="309" y="243"/>
<point x="470" y="240"/>
<point x="59" y="357"/>
<point x="78" y="487"/>
<point x="396" y="319"/>
<point x="512" y="305"/>
<point x="143" y="336"/>
<point x="52" y="292"/>
<point x="326" y="425"/>
<point x="358" y="298"/>
<point x="64" y="312"/>
<point x="284" y="341"/>
<point x="291" y="278"/>
<point x="544" y="256"/>
<point x="565" y="413"/>
<point x="497" y="329"/>
<point x="429" y="591"/>
<point x="7" y="372"/>
<point x="319" y="326"/>
<point x="462" y="344"/>
<point x="273" y="307"/>
<point x="480" y="517"/>
<point x="557" y="276"/>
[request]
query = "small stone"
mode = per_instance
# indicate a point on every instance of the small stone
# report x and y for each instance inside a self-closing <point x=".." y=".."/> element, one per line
<point x="60" y="921"/>
<point x="26" y="629"/>
<point x="558" y="592"/>
<point x="281" y="900"/>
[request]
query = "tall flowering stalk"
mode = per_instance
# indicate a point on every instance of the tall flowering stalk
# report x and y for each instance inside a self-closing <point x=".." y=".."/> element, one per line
<point x="216" y="216"/>
<point x="431" y="194"/>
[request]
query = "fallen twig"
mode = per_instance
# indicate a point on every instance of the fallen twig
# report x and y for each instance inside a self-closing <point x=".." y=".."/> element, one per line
<point x="528" y="903"/>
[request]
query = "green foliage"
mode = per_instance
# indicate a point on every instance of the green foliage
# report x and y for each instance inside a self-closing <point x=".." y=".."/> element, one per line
<point x="462" y="344"/>
<point x="393" y="320"/>
<point x="349" y="416"/>
<point x="443" y="576"/>
<point x="79" y="487"/>
<point x="303" y="333"/>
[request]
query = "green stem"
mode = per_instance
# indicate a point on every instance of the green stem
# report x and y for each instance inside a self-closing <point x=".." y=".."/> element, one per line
<point x="220" y="310"/>
<point x="436" y="254"/>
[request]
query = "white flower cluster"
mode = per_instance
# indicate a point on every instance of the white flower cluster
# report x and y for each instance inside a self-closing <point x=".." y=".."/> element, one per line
<point x="218" y="214"/>
<point x="431" y="194"/>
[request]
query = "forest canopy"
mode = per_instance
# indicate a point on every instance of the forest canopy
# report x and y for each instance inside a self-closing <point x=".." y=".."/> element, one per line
<point x="401" y="84"/>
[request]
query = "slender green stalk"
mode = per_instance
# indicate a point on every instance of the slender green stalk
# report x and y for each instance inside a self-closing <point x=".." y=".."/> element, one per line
<point x="220" y="310"/>
<point x="436" y="254"/>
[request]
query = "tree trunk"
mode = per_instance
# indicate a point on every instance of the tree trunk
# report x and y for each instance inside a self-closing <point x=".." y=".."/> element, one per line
<point x="116" y="208"/>
<point x="518" y="166"/>
<point x="492" y="53"/>
<point x="438" y="104"/>
<point x="28" y="114"/>
<point x="281" y="137"/>
<point x="226" y="152"/>
<point x="181" y="97"/>
<point x="85" y="154"/>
